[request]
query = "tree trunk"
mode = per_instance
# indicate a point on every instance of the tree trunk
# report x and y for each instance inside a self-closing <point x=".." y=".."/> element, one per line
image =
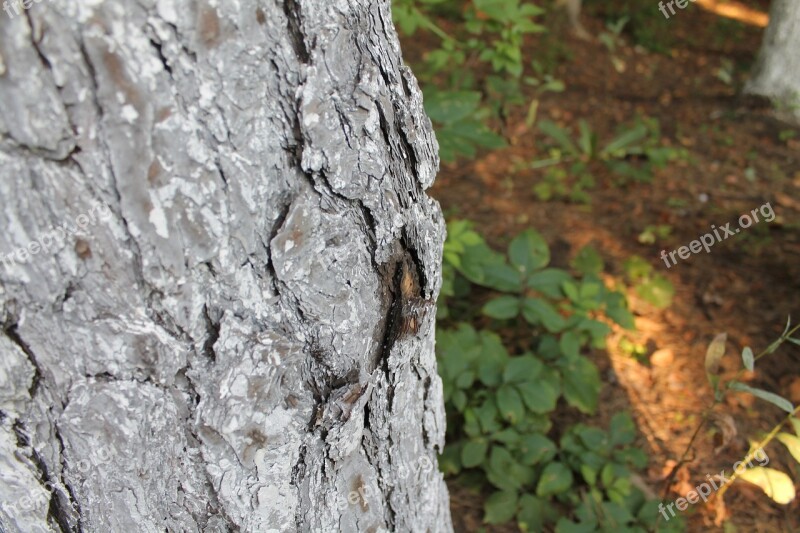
<point x="218" y="270"/>
<point x="777" y="71"/>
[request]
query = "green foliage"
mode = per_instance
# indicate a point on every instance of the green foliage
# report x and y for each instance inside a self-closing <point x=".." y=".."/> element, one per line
<point x="457" y="119"/>
<point x="490" y="32"/>
<point x="650" y="286"/>
<point x="651" y="233"/>
<point x="503" y="386"/>
<point x="632" y="155"/>
<point x="612" y="40"/>
<point x="504" y="23"/>
<point x="556" y="184"/>
<point x="775" y="484"/>
<point x="647" y="27"/>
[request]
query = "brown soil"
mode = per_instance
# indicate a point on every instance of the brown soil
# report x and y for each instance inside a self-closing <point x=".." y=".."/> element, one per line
<point x="746" y="286"/>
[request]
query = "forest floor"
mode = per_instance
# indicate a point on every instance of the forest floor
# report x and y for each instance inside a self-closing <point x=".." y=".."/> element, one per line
<point x="741" y="157"/>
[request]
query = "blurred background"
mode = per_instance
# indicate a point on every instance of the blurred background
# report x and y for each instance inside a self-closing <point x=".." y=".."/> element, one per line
<point x="582" y="384"/>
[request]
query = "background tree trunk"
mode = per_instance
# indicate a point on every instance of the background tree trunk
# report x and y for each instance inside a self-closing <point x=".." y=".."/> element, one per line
<point x="235" y="329"/>
<point x="777" y="71"/>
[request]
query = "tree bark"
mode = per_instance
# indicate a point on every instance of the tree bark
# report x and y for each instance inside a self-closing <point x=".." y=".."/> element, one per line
<point x="218" y="272"/>
<point x="777" y="71"/>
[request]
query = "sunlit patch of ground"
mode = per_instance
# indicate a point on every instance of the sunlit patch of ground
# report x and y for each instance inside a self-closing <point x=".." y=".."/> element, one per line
<point x="736" y="11"/>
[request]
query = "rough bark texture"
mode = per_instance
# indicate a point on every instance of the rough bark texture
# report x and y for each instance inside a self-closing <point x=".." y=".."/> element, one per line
<point x="777" y="71"/>
<point x="245" y="341"/>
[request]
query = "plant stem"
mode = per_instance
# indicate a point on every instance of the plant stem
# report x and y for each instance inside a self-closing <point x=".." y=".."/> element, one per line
<point x="760" y="446"/>
<point x="766" y="351"/>
<point x="432" y="26"/>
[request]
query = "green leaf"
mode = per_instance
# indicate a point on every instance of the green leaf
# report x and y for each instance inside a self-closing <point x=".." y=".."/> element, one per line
<point x="770" y="397"/>
<point x="487" y="415"/>
<point x="587" y="261"/>
<point x="448" y="107"/>
<point x="529" y="251"/>
<point x="493" y="359"/>
<point x="500" y="507"/>
<point x="502" y="308"/>
<point x="615" y="514"/>
<point x="508" y="436"/>
<point x="509" y="403"/>
<point x="748" y="359"/>
<point x="502" y="277"/>
<point x="597" y="330"/>
<point x="462" y="138"/>
<point x="449" y="460"/>
<point x="586" y="139"/>
<point x="531" y="513"/>
<point x="792" y="443"/>
<point x="774" y="483"/>
<point x="594" y="439"/>
<point x="474" y="452"/>
<point x="617" y="310"/>
<point x="501" y="469"/>
<point x="581" y="384"/>
<point x="472" y="426"/>
<point x="556" y="479"/>
<point x="589" y="474"/>
<point x="570" y="344"/>
<point x="624" y="141"/>
<point x="537" y="311"/>
<point x="459" y="400"/>
<point x="796" y="425"/>
<point x="622" y="429"/>
<point x="536" y="448"/>
<point x="480" y="134"/>
<point x="465" y="380"/>
<point x="714" y="354"/>
<point x="570" y="289"/>
<point x="607" y="475"/>
<point x="521" y="369"/>
<point x="549" y="281"/>
<point x="658" y="291"/>
<point x="559" y="135"/>
<point x="455" y="350"/>
<point x="540" y="397"/>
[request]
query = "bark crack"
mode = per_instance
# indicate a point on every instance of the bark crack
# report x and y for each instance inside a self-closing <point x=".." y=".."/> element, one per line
<point x="212" y="335"/>
<point x="10" y="330"/>
<point x="293" y="14"/>
<point x="56" y="509"/>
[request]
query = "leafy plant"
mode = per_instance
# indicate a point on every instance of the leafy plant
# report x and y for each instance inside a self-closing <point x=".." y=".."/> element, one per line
<point x="484" y="31"/>
<point x="542" y="82"/>
<point x="501" y="390"/>
<point x="458" y="125"/>
<point x="775" y="483"/>
<point x="632" y="155"/>
<point x="612" y="39"/>
<point x="785" y="136"/>
<point x="647" y="27"/>
<point x="649" y="286"/>
<point x="556" y="185"/>
<point x="653" y="233"/>
<point x="725" y="72"/>
<point x="505" y="22"/>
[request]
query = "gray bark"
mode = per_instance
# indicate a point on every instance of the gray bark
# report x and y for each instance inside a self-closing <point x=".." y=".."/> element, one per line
<point x="777" y="71"/>
<point x="235" y="329"/>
